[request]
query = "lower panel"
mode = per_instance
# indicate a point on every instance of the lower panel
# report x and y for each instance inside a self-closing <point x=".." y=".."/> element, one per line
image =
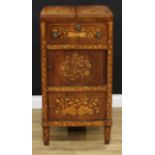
<point x="76" y="106"/>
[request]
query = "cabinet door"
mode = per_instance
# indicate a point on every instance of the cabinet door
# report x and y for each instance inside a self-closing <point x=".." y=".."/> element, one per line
<point x="76" y="68"/>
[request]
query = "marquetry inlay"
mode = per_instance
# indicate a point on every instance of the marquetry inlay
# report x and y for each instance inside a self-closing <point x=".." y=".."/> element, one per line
<point x="77" y="89"/>
<point x="76" y="67"/>
<point x="77" y="106"/>
<point x="89" y="31"/>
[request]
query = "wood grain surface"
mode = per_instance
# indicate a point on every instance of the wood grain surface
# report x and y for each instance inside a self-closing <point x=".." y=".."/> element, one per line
<point x="85" y="11"/>
<point x="77" y="142"/>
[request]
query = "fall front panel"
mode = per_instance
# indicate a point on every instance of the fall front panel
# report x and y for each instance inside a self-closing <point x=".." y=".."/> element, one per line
<point x="76" y="68"/>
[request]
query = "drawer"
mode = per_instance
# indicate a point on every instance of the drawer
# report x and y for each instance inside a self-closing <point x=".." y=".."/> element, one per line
<point x="76" y="68"/>
<point x="76" y="106"/>
<point x="83" y="33"/>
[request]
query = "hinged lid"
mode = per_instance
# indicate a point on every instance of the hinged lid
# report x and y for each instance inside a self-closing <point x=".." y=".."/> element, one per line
<point x="58" y="12"/>
<point x="93" y="11"/>
<point x="81" y="11"/>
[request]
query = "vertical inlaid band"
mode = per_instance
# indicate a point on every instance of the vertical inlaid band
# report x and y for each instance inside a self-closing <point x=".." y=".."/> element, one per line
<point x="44" y="71"/>
<point x="109" y="71"/>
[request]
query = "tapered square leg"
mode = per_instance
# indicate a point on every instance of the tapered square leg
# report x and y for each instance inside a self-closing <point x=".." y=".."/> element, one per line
<point x="46" y="135"/>
<point x="107" y="132"/>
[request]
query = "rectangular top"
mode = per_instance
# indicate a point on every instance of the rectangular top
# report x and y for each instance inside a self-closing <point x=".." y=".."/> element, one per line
<point x="81" y="11"/>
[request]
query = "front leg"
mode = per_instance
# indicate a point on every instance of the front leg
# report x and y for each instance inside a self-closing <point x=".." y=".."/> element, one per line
<point x="107" y="131"/>
<point x="46" y="135"/>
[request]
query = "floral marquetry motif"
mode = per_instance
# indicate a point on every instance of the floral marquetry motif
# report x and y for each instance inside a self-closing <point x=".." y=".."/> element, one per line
<point x="77" y="106"/>
<point x="77" y="33"/>
<point x="70" y="31"/>
<point x="76" y="67"/>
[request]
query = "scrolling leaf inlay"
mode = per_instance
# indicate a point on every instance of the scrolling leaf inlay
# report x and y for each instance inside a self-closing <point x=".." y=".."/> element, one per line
<point x="69" y="31"/>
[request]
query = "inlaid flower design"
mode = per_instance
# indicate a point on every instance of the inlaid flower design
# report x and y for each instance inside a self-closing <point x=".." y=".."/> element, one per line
<point x="77" y="106"/>
<point x="76" y="67"/>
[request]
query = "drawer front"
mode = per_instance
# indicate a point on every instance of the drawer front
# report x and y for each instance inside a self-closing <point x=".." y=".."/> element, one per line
<point x="76" y="106"/>
<point x="76" y="68"/>
<point x="83" y="33"/>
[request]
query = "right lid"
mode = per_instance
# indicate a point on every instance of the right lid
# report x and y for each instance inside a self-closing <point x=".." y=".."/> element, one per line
<point x="93" y="11"/>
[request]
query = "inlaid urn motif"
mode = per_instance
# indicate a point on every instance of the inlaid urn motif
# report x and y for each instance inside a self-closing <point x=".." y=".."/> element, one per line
<point x="77" y="106"/>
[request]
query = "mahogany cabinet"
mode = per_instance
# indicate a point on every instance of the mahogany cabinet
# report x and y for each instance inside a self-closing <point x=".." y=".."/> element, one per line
<point x="76" y="67"/>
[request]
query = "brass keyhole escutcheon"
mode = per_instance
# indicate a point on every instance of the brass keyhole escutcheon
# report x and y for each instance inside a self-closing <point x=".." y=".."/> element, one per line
<point x="78" y="27"/>
<point x="49" y="67"/>
<point x="98" y="35"/>
<point x="55" y="35"/>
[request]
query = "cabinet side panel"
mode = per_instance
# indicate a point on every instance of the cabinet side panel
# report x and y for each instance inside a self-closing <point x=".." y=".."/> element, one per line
<point x="109" y="72"/>
<point x="43" y="71"/>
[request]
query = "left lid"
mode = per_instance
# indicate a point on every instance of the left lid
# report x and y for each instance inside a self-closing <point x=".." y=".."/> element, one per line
<point x="58" y="12"/>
